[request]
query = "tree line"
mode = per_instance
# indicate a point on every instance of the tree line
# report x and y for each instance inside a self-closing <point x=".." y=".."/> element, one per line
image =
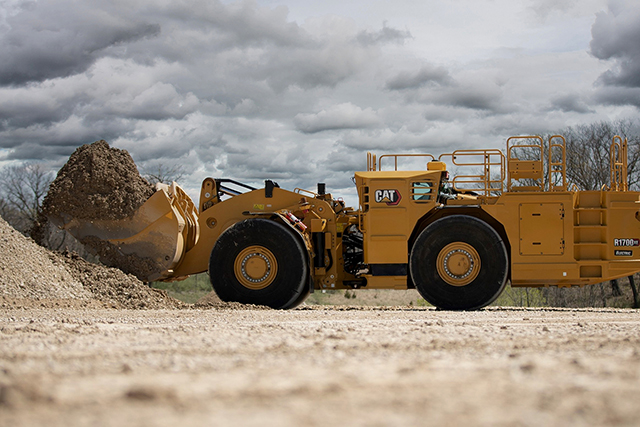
<point x="588" y="149"/>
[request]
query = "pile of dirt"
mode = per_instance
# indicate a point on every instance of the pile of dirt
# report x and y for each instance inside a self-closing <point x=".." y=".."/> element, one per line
<point x="111" y="256"/>
<point x="31" y="271"/>
<point x="32" y="276"/>
<point x="98" y="182"/>
<point x="116" y="288"/>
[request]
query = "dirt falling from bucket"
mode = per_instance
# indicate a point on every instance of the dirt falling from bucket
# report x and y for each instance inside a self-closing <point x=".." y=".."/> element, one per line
<point x="98" y="182"/>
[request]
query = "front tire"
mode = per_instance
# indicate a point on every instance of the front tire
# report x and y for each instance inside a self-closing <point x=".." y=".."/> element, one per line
<point x="258" y="261"/>
<point x="459" y="263"/>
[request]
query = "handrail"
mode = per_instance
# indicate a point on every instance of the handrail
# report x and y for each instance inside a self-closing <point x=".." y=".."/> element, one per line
<point x="310" y="193"/>
<point x="532" y="169"/>
<point x="395" y="156"/>
<point x="492" y="159"/>
<point x="619" y="164"/>
<point x="371" y="161"/>
<point x="558" y="167"/>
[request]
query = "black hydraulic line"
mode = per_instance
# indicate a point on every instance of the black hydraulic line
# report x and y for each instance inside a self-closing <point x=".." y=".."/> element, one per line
<point x="231" y="181"/>
<point x="228" y="191"/>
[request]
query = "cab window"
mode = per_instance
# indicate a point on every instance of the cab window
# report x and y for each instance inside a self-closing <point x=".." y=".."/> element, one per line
<point x="422" y="191"/>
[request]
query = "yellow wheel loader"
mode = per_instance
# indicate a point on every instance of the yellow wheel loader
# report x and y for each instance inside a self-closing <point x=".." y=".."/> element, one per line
<point x="458" y="239"/>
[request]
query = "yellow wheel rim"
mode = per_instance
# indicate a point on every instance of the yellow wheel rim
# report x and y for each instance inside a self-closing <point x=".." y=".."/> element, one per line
<point x="458" y="264"/>
<point x="256" y="267"/>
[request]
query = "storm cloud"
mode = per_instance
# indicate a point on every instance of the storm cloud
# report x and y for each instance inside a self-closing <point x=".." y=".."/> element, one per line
<point x="252" y="90"/>
<point x="616" y="39"/>
<point x="569" y="103"/>
<point x="46" y="40"/>
<point x="426" y="75"/>
<point x="342" y="116"/>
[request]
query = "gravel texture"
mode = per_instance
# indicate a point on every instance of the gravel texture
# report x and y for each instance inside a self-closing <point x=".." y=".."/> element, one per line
<point x="32" y="276"/>
<point x="318" y="366"/>
<point x="77" y="350"/>
<point x="31" y="271"/>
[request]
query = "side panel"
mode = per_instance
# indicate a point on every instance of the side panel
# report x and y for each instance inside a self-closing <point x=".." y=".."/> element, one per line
<point x="570" y="238"/>
<point x="387" y="234"/>
<point x="391" y="203"/>
<point x="541" y="228"/>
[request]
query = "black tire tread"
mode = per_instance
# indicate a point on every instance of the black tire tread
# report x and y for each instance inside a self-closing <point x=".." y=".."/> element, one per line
<point x="494" y="263"/>
<point x="290" y="287"/>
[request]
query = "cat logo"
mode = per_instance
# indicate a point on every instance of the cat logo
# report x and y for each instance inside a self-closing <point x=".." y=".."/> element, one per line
<point x="390" y="197"/>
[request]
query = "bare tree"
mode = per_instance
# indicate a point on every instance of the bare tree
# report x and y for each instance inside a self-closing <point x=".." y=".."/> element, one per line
<point x="588" y="148"/>
<point x="22" y="189"/>
<point x="7" y="212"/>
<point x="165" y="174"/>
<point x="615" y="288"/>
<point x="587" y="154"/>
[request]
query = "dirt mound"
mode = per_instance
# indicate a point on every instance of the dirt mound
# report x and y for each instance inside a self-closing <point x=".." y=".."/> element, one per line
<point x="32" y="276"/>
<point x="31" y="271"/>
<point x="111" y="256"/>
<point x="118" y="289"/>
<point x="98" y="182"/>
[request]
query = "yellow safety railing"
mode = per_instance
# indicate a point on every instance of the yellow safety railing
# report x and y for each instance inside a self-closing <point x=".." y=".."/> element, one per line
<point x="395" y="159"/>
<point x="618" y="159"/>
<point x="490" y="162"/>
<point x="371" y="162"/>
<point x="557" y="167"/>
<point x="530" y="169"/>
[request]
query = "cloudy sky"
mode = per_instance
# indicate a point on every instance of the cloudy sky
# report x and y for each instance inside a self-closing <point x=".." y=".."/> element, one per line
<point x="298" y="91"/>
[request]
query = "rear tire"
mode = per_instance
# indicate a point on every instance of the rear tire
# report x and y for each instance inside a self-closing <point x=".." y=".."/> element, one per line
<point x="258" y="261"/>
<point x="459" y="263"/>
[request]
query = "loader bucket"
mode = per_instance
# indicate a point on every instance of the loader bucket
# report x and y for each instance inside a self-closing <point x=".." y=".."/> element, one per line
<point x="150" y="243"/>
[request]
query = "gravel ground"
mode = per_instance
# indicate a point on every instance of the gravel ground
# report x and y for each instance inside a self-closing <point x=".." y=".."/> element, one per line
<point x="319" y="366"/>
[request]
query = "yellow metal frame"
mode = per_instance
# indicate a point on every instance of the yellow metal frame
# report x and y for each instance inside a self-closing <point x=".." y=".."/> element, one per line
<point x="395" y="158"/>
<point x="555" y="236"/>
<point x="532" y="169"/>
<point x="487" y="182"/>
<point x="618" y="160"/>
<point x="557" y="167"/>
